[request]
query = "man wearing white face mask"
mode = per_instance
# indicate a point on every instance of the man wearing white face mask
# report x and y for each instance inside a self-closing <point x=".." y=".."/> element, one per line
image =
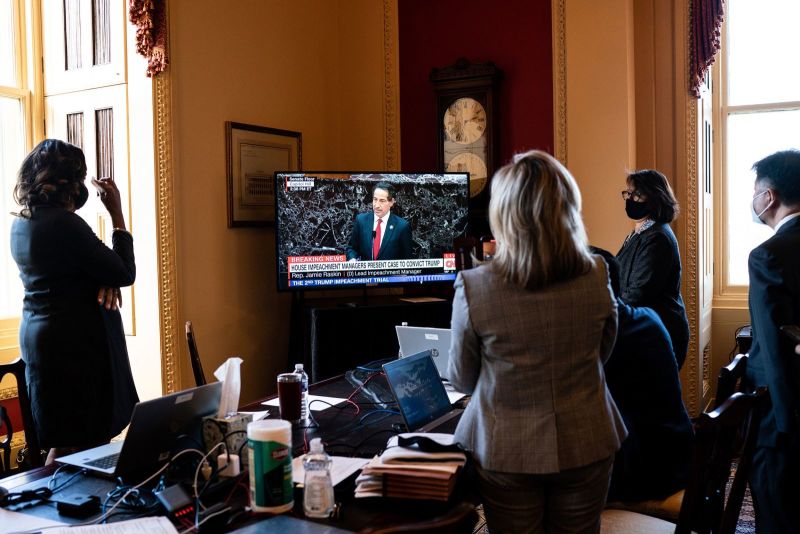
<point x="774" y="269"/>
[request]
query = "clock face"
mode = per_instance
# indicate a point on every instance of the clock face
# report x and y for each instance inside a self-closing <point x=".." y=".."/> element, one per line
<point x="465" y="121"/>
<point x="475" y="166"/>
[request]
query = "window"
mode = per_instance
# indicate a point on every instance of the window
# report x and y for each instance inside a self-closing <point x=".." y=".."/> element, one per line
<point x="14" y="133"/>
<point x="759" y="113"/>
<point x="78" y="90"/>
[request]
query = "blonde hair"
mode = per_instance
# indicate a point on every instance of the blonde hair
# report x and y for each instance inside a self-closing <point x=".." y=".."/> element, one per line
<point x="534" y="214"/>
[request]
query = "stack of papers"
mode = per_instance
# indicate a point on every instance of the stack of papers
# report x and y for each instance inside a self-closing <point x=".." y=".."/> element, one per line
<point x="410" y="473"/>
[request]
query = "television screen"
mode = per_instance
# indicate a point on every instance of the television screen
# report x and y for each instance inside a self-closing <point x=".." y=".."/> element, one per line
<point x="328" y="234"/>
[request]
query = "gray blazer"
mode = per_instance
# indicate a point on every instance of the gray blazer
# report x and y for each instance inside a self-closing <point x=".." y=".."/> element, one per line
<point x="533" y="362"/>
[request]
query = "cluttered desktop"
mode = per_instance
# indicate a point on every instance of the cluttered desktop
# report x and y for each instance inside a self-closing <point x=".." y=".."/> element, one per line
<point x="340" y="454"/>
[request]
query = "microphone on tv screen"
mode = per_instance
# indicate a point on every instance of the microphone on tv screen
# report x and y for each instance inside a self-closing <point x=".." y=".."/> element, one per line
<point x="373" y="234"/>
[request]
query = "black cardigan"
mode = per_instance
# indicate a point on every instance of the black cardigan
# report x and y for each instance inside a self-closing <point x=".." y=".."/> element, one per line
<point x="650" y="275"/>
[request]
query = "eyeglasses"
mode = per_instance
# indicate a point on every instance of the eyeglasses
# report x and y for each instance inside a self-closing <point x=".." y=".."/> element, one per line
<point x="636" y="196"/>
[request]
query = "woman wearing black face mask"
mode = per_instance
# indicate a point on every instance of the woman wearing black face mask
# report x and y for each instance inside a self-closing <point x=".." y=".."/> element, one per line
<point x="650" y="264"/>
<point x="71" y="336"/>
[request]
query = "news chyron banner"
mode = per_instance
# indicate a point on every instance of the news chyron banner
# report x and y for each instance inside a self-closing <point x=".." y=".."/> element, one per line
<point x="310" y="271"/>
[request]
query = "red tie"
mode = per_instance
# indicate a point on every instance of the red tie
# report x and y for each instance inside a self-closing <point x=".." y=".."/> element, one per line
<point x="376" y="243"/>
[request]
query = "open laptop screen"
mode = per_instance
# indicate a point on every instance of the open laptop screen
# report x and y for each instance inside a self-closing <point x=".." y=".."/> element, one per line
<point x="418" y="389"/>
<point x="159" y="428"/>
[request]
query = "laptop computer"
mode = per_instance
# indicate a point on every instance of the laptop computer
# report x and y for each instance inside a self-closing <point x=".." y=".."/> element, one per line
<point x="419" y="392"/>
<point x="415" y="339"/>
<point x="159" y="428"/>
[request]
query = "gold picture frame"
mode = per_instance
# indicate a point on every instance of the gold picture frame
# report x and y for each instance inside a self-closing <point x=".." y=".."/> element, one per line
<point x="253" y="155"/>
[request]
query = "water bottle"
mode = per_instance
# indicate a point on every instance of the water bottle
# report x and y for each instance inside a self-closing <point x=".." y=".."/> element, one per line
<point x="298" y="369"/>
<point x="318" y="488"/>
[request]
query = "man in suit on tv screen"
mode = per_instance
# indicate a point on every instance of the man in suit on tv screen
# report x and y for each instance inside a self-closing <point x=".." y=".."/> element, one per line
<point x="380" y="235"/>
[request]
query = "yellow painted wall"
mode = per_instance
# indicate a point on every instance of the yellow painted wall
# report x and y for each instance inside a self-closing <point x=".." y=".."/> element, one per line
<point x="627" y="107"/>
<point x="600" y="113"/>
<point x="313" y="66"/>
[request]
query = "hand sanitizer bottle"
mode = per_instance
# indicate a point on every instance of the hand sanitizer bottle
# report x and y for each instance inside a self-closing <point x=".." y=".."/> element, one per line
<point x="298" y="369"/>
<point x="318" y="489"/>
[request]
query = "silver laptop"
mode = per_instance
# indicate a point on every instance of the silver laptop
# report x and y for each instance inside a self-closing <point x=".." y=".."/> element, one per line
<point x="416" y="339"/>
<point x="159" y="429"/>
<point x="419" y="392"/>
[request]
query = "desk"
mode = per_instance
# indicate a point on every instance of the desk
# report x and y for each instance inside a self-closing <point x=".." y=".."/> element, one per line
<point x="355" y="514"/>
<point x="337" y="334"/>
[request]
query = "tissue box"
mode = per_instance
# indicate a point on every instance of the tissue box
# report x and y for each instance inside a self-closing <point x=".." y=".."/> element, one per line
<point x="235" y="428"/>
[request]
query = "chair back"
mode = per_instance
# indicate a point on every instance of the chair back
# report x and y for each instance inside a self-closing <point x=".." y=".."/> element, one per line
<point x="33" y="451"/>
<point x="731" y="379"/>
<point x="704" y="508"/>
<point x="5" y="445"/>
<point x="194" y="356"/>
<point x="466" y="249"/>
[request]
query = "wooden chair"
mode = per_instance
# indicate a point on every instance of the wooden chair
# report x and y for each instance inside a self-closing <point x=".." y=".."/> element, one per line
<point x="194" y="356"/>
<point x="5" y="445"/>
<point x="33" y="451"/>
<point x="704" y="508"/>
<point x="731" y="379"/>
<point x="462" y="518"/>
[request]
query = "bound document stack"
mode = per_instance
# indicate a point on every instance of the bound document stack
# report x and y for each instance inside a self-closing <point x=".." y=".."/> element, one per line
<point x="414" y="466"/>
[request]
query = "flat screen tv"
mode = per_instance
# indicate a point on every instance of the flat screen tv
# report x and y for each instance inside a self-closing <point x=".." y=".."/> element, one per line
<point x="327" y="234"/>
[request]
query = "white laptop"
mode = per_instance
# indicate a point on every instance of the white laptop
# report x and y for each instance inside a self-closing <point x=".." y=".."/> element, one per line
<point x="416" y="339"/>
<point x="159" y="429"/>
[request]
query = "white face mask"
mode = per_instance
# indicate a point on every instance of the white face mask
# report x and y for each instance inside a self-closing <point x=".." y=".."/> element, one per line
<point x="757" y="216"/>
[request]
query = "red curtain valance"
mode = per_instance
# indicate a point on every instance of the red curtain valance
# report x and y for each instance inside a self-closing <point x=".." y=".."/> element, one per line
<point x="706" y="22"/>
<point x="150" y="19"/>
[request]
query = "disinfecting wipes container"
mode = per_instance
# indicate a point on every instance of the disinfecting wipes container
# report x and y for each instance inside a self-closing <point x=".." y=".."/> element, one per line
<point x="270" y="455"/>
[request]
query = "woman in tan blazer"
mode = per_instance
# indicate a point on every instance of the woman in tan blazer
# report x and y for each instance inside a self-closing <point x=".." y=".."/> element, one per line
<point x="531" y="330"/>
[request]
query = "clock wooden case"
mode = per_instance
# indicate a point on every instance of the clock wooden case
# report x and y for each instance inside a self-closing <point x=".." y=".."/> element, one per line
<point x="467" y="122"/>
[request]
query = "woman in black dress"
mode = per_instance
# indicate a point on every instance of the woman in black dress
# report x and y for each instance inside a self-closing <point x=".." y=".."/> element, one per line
<point x="71" y="336"/>
<point x="650" y="264"/>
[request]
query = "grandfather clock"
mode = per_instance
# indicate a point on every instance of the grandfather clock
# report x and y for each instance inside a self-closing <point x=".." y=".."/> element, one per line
<point x="468" y="126"/>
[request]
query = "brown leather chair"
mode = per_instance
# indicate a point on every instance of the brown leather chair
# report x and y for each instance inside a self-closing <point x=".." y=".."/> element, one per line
<point x="194" y="356"/>
<point x="32" y="452"/>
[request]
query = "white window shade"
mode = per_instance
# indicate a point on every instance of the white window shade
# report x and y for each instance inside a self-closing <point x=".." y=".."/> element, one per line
<point x="763" y="49"/>
<point x="751" y="137"/>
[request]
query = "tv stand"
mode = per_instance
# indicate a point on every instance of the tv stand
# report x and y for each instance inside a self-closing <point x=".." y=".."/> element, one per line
<point x="331" y="336"/>
<point x="356" y="303"/>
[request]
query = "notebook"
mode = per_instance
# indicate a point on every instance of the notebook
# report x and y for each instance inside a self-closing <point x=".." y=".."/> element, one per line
<point x="415" y="339"/>
<point x="419" y="392"/>
<point x="159" y="428"/>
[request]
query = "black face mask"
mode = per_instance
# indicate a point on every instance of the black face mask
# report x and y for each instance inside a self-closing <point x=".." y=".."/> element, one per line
<point x="83" y="196"/>
<point x="636" y="210"/>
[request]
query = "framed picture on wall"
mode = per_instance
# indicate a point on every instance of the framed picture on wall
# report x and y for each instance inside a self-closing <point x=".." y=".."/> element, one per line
<point x="253" y="154"/>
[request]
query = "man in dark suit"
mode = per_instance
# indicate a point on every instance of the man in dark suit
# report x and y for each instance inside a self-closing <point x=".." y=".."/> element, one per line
<point x="380" y="235"/>
<point x="774" y="268"/>
<point x="642" y="376"/>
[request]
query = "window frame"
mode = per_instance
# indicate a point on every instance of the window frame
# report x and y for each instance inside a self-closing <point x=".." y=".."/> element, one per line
<point x="28" y="88"/>
<point x="728" y="294"/>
